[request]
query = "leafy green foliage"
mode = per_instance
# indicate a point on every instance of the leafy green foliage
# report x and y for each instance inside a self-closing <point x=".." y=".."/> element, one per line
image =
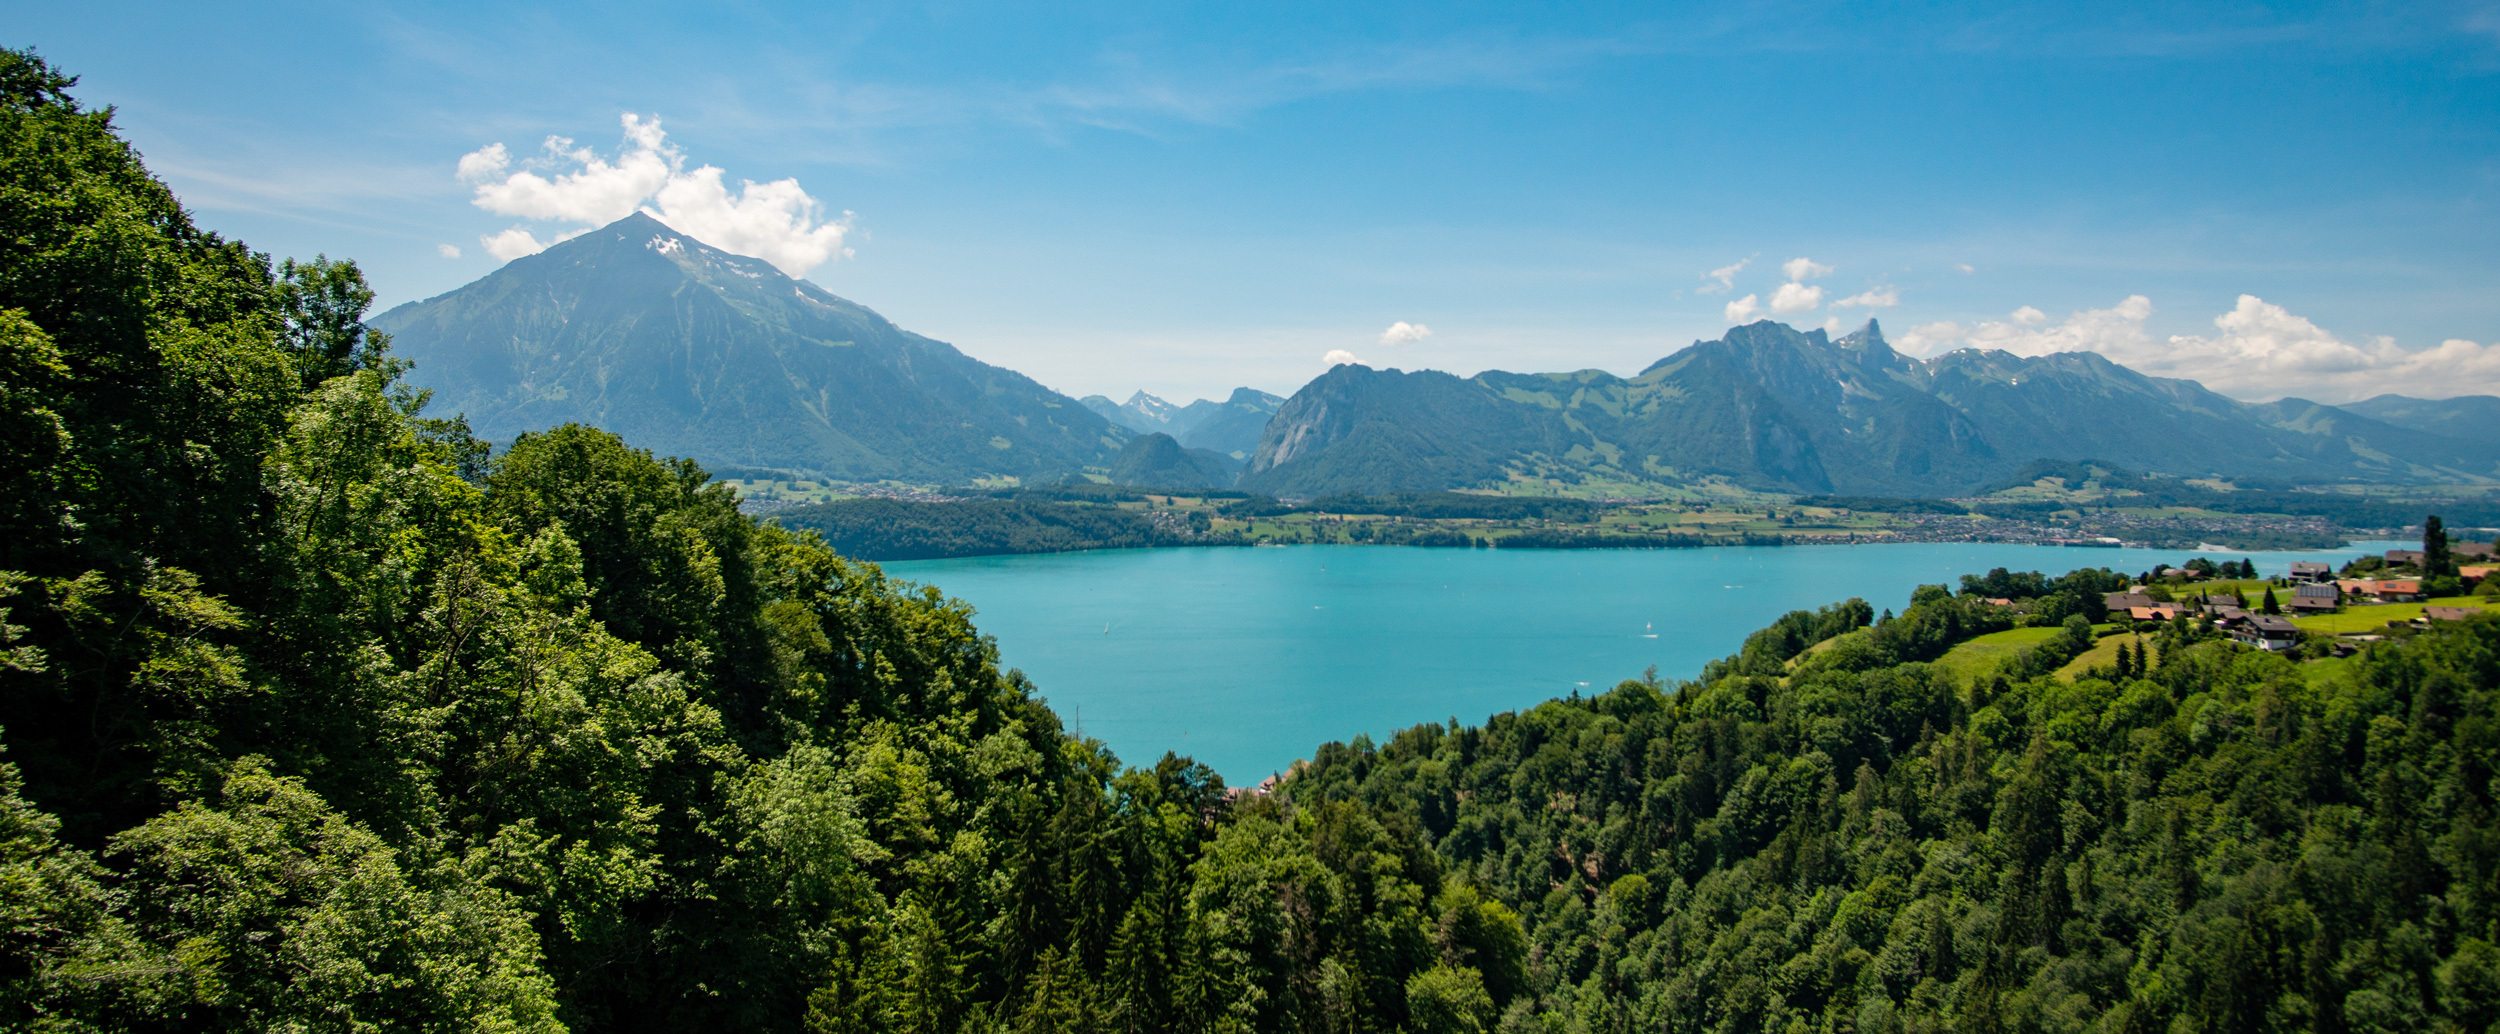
<point x="318" y="719"/>
<point x="2226" y="841"/>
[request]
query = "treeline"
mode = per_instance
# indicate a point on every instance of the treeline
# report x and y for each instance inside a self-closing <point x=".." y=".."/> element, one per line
<point x="1428" y="506"/>
<point x="2254" y="498"/>
<point x="1080" y="491"/>
<point x="318" y="718"/>
<point x="1843" y="839"/>
<point x="1884" y="504"/>
<point x="2348" y="510"/>
<point x="893" y="529"/>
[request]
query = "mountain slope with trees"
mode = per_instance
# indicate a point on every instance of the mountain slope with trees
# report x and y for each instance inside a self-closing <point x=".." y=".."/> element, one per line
<point x="1849" y="839"/>
<point x="1780" y="410"/>
<point x="316" y="716"/>
<point x="647" y="332"/>
<point x="2466" y="416"/>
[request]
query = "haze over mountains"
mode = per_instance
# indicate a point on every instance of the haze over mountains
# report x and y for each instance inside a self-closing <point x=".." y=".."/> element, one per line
<point x="2467" y="416"/>
<point x="696" y="352"/>
<point x="1231" y="427"/>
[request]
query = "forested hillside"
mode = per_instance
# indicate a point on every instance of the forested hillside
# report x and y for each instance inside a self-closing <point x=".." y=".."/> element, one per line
<point x="893" y="529"/>
<point x="316" y="718"/>
<point x="1848" y="839"/>
<point x="319" y="717"/>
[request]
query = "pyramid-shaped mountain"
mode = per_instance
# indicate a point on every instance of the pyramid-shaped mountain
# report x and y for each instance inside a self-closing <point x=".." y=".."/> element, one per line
<point x="691" y="351"/>
<point x="1773" y="408"/>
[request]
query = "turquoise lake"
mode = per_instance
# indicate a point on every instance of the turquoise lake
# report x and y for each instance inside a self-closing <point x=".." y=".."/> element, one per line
<point x="1249" y="658"/>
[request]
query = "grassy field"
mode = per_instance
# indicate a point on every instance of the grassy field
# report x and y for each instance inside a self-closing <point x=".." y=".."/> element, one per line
<point x="2103" y="654"/>
<point x="2370" y="619"/>
<point x="1976" y="657"/>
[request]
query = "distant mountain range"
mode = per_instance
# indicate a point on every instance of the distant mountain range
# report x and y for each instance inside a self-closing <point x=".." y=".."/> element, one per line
<point x="1775" y="409"/>
<point x="2467" y="416"/>
<point x="1231" y="427"/>
<point x="688" y="350"/>
<point x="691" y="351"/>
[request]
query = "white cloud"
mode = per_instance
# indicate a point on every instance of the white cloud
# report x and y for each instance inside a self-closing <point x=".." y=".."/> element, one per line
<point x="1742" y="310"/>
<point x="450" y="251"/>
<point x="777" y="221"/>
<point x="485" y="163"/>
<point x="1831" y="325"/>
<point x="2030" y="317"/>
<point x="1795" y="297"/>
<point x="2259" y="351"/>
<point x="1967" y="268"/>
<point x="1927" y="338"/>
<point x="1802" y="268"/>
<point x="1337" y="357"/>
<point x="1404" y="333"/>
<point x="1884" y="297"/>
<point x="511" y="244"/>
<point x="1726" y="277"/>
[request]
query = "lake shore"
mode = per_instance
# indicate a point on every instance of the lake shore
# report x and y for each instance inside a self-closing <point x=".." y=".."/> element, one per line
<point x="1249" y="658"/>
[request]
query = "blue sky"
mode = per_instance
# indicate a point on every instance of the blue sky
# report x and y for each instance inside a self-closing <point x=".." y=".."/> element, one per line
<point x="2274" y="199"/>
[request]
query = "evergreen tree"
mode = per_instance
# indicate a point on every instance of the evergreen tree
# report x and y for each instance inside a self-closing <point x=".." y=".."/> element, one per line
<point x="2437" y="561"/>
<point x="319" y="717"/>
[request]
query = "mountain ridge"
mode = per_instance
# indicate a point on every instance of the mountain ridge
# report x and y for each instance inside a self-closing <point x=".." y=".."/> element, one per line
<point x="693" y="351"/>
<point x="1773" y="408"/>
<point x="1231" y="427"/>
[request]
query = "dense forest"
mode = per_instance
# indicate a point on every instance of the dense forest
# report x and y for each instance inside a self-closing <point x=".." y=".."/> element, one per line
<point x="896" y="529"/>
<point x="2390" y="508"/>
<point x="320" y="715"/>
<point x="1429" y="506"/>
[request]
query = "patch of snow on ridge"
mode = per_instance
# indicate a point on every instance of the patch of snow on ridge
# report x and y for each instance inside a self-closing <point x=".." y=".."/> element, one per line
<point x="666" y="245"/>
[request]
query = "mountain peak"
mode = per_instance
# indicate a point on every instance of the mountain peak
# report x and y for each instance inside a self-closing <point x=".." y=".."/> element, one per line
<point x="694" y="351"/>
<point x="1254" y="397"/>
<point x="1776" y="408"/>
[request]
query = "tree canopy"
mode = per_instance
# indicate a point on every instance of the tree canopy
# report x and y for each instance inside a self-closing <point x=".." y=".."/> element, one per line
<point x="320" y="715"/>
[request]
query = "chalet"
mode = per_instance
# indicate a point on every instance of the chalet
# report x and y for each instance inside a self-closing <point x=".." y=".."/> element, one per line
<point x="2307" y="598"/>
<point x="2121" y="602"/>
<point x="2477" y="572"/>
<point x="2450" y="613"/>
<point x="2211" y="600"/>
<point x="2267" y="632"/>
<point x="2397" y="557"/>
<point x="2157" y="612"/>
<point x="2481" y="550"/>
<point x="2398" y="590"/>
<point x="2390" y="590"/>
<point x="2312" y="571"/>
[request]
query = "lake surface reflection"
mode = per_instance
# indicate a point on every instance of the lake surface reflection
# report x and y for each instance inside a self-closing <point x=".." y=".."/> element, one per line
<point x="1249" y="658"/>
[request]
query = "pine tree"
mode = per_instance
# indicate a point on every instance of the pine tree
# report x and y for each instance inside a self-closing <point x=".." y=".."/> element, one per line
<point x="2437" y="561"/>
